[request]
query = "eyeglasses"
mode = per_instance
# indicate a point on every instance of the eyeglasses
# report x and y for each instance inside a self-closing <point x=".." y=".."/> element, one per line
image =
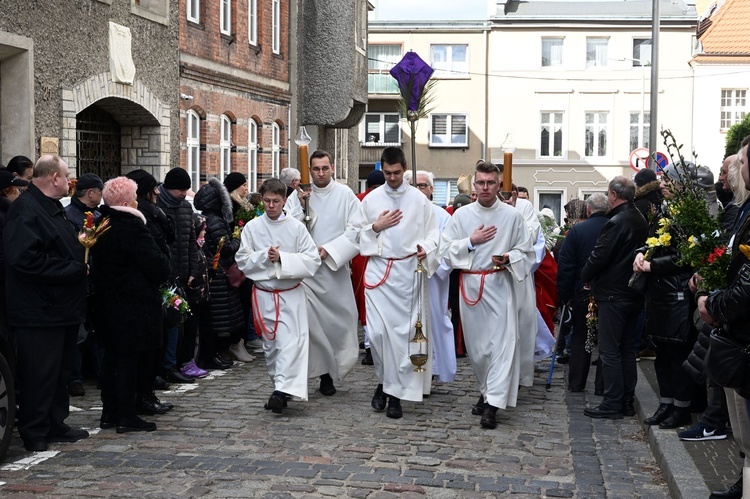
<point x="423" y="186"/>
<point x="483" y="184"/>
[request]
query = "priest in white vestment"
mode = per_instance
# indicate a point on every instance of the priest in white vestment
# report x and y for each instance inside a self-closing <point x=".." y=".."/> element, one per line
<point x="490" y="243"/>
<point x="441" y="328"/>
<point x="277" y="252"/>
<point x="332" y="311"/>
<point x="396" y="226"/>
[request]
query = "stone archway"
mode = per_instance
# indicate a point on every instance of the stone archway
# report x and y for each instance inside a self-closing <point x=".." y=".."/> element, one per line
<point x="144" y="122"/>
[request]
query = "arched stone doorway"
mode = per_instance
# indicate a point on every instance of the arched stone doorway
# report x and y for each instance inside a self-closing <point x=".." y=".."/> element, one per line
<point x="98" y="143"/>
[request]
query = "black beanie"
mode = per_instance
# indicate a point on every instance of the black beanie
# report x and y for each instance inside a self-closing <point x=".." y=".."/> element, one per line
<point x="375" y="178"/>
<point x="146" y="182"/>
<point x="177" y="178"/>
<point x="234" y="180"/>
<point x="644" y="176"/>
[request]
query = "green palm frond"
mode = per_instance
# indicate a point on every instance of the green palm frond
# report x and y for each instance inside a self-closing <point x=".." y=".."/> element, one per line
<point x="426" y="103"/>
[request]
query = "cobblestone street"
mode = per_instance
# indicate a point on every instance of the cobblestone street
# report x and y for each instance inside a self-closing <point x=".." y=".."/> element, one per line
<point x="220" y="442"/>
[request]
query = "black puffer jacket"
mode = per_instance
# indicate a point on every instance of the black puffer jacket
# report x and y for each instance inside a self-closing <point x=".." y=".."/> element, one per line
<point x="184" y="249"/>
<point x="158" y="224"/>
<point x="731" y="306"/>
<point x="694" y="363"/>
<point x="130" y="269"/>
<point x="610" y="265"/>
<point x="222" y="314"/>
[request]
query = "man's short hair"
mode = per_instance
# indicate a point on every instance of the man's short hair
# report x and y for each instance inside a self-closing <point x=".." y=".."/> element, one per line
<point x="320" y="153"/>
<point x="393" y="155"/>
<point x="289" y="175"/>
<point x="597" y="203"/>
<point x="487" y="167"/>
<point x="47" y="165"/>
<point x="623" y="187"/>
<point x="523" y="189"/>
<point x="429" y="175"/>
<point x="273" y="186"/>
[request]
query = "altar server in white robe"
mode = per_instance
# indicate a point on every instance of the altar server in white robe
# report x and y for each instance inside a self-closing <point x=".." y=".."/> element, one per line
<point x="490" y="243"/>
<point x="441" y="328"/>
<point x="277" y="252"/>
<point x="396" y="226"/>
<point x="332" y="311"/>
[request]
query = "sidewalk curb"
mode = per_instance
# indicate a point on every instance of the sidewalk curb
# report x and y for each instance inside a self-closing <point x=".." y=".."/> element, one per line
<point x="683" y="478"/>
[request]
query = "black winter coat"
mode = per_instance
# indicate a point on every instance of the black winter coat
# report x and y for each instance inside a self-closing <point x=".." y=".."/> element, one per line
<point x="46" y="274"/>
<point x="130" y="269"/>
<point x="731" y="306"/>
<point x="158" y="224"/>
<point x="184" y="250"/>
<point x="576" y="248"/>
<point x="76" y="213"/>
<point x="222" y="314"/>
<point x="610" y="264"/>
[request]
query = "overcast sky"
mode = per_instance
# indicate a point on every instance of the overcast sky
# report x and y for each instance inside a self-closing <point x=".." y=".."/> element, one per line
<point x="432" y="10"/>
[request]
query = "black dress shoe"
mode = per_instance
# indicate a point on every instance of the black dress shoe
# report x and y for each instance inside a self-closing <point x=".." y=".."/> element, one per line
<point x="72" y="435"/>
<point x="175" y="376"/>
<point x="378" y="400"/>
<point x="107" y="421"/>
<point x="628" y="408"/>
<point x="126" y="425"/>
<point x="75" y="389"/>
<point x="394" y="408"/>
<point x="276" y="402"/>
<point x="662" y="413"/>
<point x="478" y="408"/>
<point x="735" y="491"/>
<point x="35" y="445"/>
<point x="326" y="385"/>
<point x="361" y="345"/>
<point x="489" y="419"/>
<point x="160" y="383"/>
<point x="215" y="362"/>
<point x="367" y="360"/>
<point x="680" y="417"/>
<point x="149" y="408"/>
<point x="600" y="412"/>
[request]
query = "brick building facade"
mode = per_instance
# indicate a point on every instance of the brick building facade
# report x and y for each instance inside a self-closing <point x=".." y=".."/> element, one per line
<point x="234" y="88"/>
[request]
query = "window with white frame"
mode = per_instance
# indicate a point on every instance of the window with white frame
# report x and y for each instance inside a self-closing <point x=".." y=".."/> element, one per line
<point x="733" y="106"/>
<point x="276" y="26"/>
<point x="193" y="9"/>
<point x="194" y="148"/>
<point x="225" y="147"/>
<point x="444" y="191"/>
<point x="225" y="17"/>
<point x="252" y="22"/>
<point x="450" y="61"/>
<point x="275" y="150"/>
<point x="641" y="52"/>
<point x="381" y="129"/>
<point x="252" y="154"/>
<point x="552" y="51"/>
<point x="596" y="134"/>
<point x="449" y="130"/>
<point x="551" y="134"/>
<point x="552" y="199"/>
<point x="640" y="128"/>
<point x="380" y="59"/>
<point x="597" y="52"/>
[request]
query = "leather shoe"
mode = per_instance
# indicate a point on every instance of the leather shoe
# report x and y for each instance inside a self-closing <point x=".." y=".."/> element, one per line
<point x="628" y="408"/>
<point x="35" y="445"/>
<point x="175" y="376"/>
<point x="662" y="413"/>
<point x="478" y="408"/>
<point x="367" y="360"/>
<point x="600" y="412"/>
<point x="160" y="383"/>
<point x="680" y="417"/>
<point x="326" y="385"/>
<point x="378" y="400"/>
<point x="149" y="408"/>
<point x="70" y="436"/>
<point x="75" y="389"/>
<point x="489" y="419"/>
<point x="735" y="491"/>
<point x="107" y="421"/>
<point x="134" y="423"/>
<point x="394" y="408"/>
<point x="276" y="402"/>
<point x="215" y="362"/>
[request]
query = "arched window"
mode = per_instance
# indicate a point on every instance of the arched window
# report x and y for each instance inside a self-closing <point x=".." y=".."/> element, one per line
<point x="275" y="150"/>
<point x="252" y="155"/>
<point x="194" y="148"/>
<point x="225" y="147"/>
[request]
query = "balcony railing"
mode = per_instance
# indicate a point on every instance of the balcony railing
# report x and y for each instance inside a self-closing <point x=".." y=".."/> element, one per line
<point x="381" y="84"/>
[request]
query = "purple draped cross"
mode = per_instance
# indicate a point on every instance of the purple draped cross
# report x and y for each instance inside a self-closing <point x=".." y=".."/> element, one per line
<point x="412" y="74"/>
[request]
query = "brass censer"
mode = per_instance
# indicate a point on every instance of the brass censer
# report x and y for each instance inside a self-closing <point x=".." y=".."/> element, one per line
<point x="418" y="354"/>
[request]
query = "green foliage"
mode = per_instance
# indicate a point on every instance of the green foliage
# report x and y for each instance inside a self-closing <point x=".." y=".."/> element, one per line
<point x="735" y="134"/>
<point x="426" y="103"/>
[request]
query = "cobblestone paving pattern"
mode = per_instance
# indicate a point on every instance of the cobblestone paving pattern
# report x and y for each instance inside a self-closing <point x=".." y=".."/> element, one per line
<point x="219" y="442"/>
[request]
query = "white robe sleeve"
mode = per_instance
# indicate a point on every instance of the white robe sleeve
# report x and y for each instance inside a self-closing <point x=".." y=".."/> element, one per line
<point x="301" y="264"/>
<point x="342" y="249"/>
<point x="293" y="208"/>
<point x="432" y="238"/>
<point x="254" y="263"/>
<point x="454" y="246"/>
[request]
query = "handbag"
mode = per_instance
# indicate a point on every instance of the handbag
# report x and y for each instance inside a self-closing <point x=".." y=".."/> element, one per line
<point x="727" y="361"/>
<point x="638" y="282"/>
<point x="235" y="277"/>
